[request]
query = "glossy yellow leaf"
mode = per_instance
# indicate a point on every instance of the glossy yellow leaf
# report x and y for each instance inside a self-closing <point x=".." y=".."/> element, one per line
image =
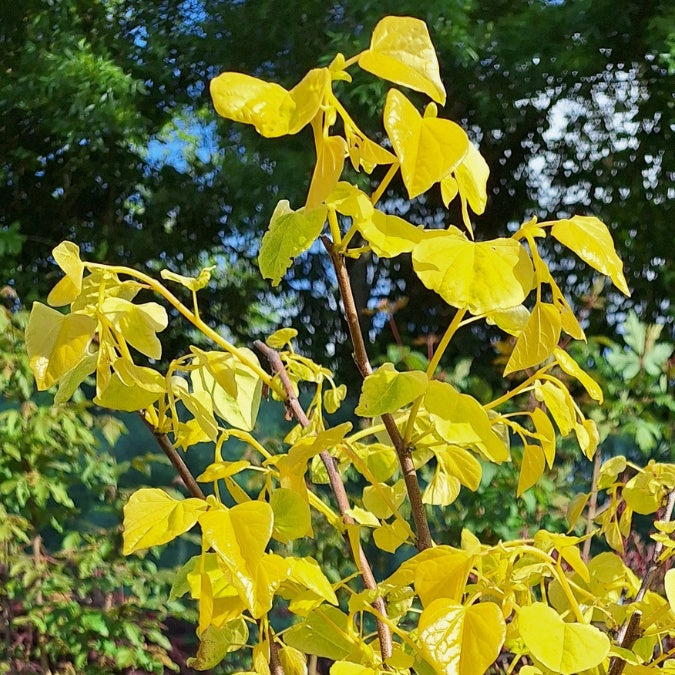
<point x="381" y="499"/>
<point x="565" y="648"/>
<point x="241" y="409"/>
<point x="610" y="470"/>
<point x="559" y="403"/>
<point x="348" y="200"/>
<point x="538" y="339"/>
<point x="460" y="463"/>
<point x="460" y="640"/>
<point x="511" y="320"/>
<point x="545" y="433"/>
<point x="380" y="459"/>
<point x="270" y="108"/>
<point x="364" y="153"/>
<point x="571" y="367"/>
<point x="219" y="470"/>
<point x="482" y="277"/>
<point x="531" y="468"/>
<point x="388" y="537"/>
<point x="388" y="235"/>
<point x="587" y="437"/>
<point x="292" y="518"/>
<point x="126" y="397"/>
<point x="386" y="390"/>
<point x="191" y="283"/>
<point x="221" y="365"/>
<point x="331" y="154"/>
<point x="87" y="301"/>
<point x="590" y="239"/>
<point x="460" y="420"/>
<point x="471" y="176"/>
<point x="328" y="632"/>
<point x="442" y="489"/>
<point x="138" y="324"/>
<point x="669" y="583"/>
<point x="239" y="536"/>
<point x="428" y="148"/>
<point x="443" y="576"/>
<point x="216" y="643"/>
<point x="67" y="256"/>
<point x="290" y="233"/>
<point x="152" y="518"/>
<point x="401" y="51"/>
<point x="280" y="338"/>
<point x="293" y="661"/>
<point x="200" y="404"/>
<point x="56" y="343"/>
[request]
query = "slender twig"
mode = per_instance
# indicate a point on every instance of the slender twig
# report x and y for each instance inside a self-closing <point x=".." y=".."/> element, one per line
<point x="338" y="488"/>
<point x="177" y="461"/>
<point x="419" y="514"/>
<point x="630" y="630"/>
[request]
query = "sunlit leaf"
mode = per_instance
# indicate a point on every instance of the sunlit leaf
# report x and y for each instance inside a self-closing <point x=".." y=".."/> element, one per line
<point x="460" y="640"/>
<point x="280" y="338"/>
<point x="481" y="277"/>
<point x="192" y="283"/>
<point x="67" y="256"/>
<point x="386" y="390"/>
<point x="292" y="518"/>
<point x="293" y="661"/>
<point x="401" y="51"/>
<point x="389" y="536"/>
<point x="428" y="148"/>
<point x="138" y="324"/>
<point x="511" y="320"/>
<point x="331" y="154"/>
<point x="546" y="433"/>
<point x="538" y="340"/>
<point x="590" y="239"/>
<point x="216" y="643"/>
<point x="559" y="404"/>
<point x="460" y="419"/>
<point x="443" y="576"/>
<point x="152" y="517"/>
<point x="56" y="343"/>
<point x="290" y="233"/>
<point x="562" y="647"/>
<point x="531" y="468"/>
<point x="571" y="367"/>
<point x="388" y="235"/>
<point x="442" y="489"/>
<point x="219" y="470"/>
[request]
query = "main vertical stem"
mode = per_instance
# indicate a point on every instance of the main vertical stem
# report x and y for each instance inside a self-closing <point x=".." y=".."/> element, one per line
<point x="422" y="532"/>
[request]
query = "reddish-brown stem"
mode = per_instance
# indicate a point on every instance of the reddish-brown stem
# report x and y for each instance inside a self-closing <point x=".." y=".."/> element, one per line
<point x="419" y="514"/>
<point x="338" y="489"/>
<point x="175" y="459"/>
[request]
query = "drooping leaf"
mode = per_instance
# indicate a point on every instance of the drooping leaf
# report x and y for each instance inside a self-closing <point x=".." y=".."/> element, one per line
<point x="191" y="283"/>
<point x="130" y="388"/>
<point x="56" y="343"/>
<point x="152" y="517"/>
<point x="590" y="239"/>
<point x="308" y="573"/>
<point x="138" y="324"/>
<point x="562" y="647"/>
<point x="571" y="367"/>
<point x="538" y="340"/>
<point x="546" y="432"/>
<point x="460" y="420"/>
<point x="386" y="390"/>
<point x="460" y="640"/>
<point x="531" y="468"/>
<point x="482" y="277"/>
<point x="67" y="256"/>
<point x="442" y="489"/>
<point x="290" y="233"/>
<point x="559" y="404"/>
<point x="331" y="154"/>
<point x="388" y="235"/>
<point x="401" y="51"/>
<point x="428" y="148"/>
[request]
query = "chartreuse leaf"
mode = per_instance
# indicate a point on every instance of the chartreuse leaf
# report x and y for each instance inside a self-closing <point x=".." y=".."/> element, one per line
<point x="443" y="576"/>
<point x="428" y="148"/>
<point x="562" y="647"/>
<point x="460" y="640"/>
<point x="191" y="283"/>
<point x="571" y="367"/>
<point x="386" y="390"/>
<point x="669" y="583"/>
<point x="216" y="643"/>
<point x="280" y="338"/>
<point x="67" y="256"/>
<point x="152" y="517"/>
<point x="138" y="324"/>
<point x="233" y="387"/>
<point x="69" y="383"/>
<point x="538" y="340"/>
<point x="590" y="239"/>
<point x="292" y="518"/>
<point x="130" y="388"/>
<point x="531" y="468"/>
<point x="239" y="536"/>
<point x="460" y="420"/>
<point x="293" y="661"/>
<point x="401" y="51"/>
<point x="442" y="489"/>
<point x="56" y="343"/>
<point x="511" y="320"/>
<point x="290" y="233"/>
<point x="559" y="404"/>
<point x="546" y="434"/>
<point x="389" y="235"/>
<point x="270" y="108"/>
<point x="331" y="153"/>
<point x="481" y="277"/>
<point x="389" y="536"/>
<point x="328" y="632"/>
<point x="220" y="470"/>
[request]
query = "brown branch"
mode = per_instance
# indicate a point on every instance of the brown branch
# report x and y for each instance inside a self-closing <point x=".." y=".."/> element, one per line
<point x="175" y="459"/>
<point x="630" y="630"/>
<point x="337" y="486"/>
<point x="422" y="532"/>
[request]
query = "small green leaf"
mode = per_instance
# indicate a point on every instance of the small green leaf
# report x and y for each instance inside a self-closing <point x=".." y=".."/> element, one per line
<point x="386" y="390"/>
